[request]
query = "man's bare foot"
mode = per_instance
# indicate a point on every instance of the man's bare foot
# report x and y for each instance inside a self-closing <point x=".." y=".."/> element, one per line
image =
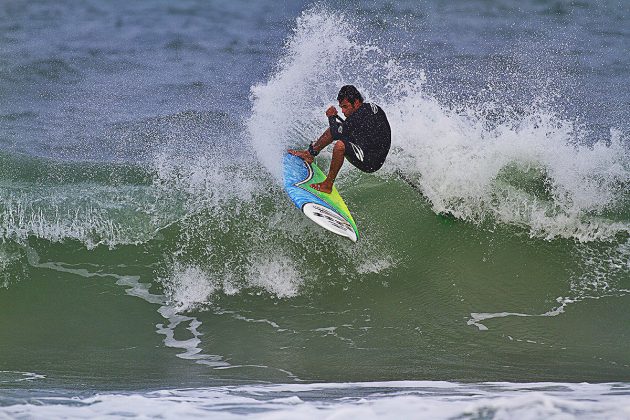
<point x="325" y="187"/>
<point x="304" y="154"/>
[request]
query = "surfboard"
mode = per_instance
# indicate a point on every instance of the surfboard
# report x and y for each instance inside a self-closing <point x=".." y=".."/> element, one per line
<point x="327" y="210"/>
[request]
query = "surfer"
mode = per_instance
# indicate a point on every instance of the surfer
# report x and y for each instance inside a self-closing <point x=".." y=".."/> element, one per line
<point x="364" y="137"/>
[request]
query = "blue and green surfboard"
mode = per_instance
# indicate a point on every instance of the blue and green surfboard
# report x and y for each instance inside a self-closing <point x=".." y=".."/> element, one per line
<point x="327" y="210"/>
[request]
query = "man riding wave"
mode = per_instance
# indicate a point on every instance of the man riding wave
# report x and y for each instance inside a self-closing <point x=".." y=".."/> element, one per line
<point x="364" y="138"/>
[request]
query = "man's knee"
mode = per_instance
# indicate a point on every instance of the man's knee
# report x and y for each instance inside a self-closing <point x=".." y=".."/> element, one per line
<point x="339" y="147"/>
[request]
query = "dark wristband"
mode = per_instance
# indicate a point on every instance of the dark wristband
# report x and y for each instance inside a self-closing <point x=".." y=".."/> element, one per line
<point x="311" y="150"/>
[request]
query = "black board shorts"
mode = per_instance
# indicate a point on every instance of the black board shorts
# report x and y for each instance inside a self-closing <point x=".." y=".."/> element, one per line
<point x="364" y="159"/>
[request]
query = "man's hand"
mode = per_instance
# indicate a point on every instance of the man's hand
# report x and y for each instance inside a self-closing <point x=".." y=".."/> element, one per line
<point x="304" y="154"/>
<point x="331" y="111"/>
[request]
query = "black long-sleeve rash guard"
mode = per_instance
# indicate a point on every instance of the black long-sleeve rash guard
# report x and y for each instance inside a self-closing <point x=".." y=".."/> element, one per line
<point x="366" y="135"/>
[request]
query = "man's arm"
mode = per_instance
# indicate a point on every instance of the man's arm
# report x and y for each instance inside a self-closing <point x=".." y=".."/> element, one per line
<point x="335" y="122"/>
<point x="318" y="145"/>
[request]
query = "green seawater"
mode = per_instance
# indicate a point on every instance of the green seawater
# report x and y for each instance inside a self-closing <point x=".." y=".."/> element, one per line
<point x="174" y="288"/>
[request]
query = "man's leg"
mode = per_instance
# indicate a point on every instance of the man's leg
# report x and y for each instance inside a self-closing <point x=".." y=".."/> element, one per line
<point x="335" y="165"/>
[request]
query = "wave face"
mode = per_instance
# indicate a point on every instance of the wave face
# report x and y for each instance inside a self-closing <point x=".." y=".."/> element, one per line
<point x="146" y="241"/>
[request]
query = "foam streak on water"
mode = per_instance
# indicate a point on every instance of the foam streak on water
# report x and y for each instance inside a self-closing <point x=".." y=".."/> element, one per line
<point x="411" y="400"/>
<point x="134" y="287"/>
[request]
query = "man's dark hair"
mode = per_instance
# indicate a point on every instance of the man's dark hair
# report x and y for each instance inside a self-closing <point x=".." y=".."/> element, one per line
<point x="350" y="93"/>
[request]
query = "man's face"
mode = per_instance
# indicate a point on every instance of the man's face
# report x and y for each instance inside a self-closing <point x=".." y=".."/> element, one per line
<point x="348" y="108"/>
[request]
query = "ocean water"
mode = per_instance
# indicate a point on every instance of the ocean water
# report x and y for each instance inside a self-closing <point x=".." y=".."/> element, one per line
<point x="152" y="266"/>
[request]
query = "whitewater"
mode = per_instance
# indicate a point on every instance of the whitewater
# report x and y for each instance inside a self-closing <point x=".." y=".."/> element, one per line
<point x="151" y="265"/>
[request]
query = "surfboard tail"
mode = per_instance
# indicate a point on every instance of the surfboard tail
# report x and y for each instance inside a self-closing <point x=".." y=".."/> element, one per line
<point x="330" y="220"/>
